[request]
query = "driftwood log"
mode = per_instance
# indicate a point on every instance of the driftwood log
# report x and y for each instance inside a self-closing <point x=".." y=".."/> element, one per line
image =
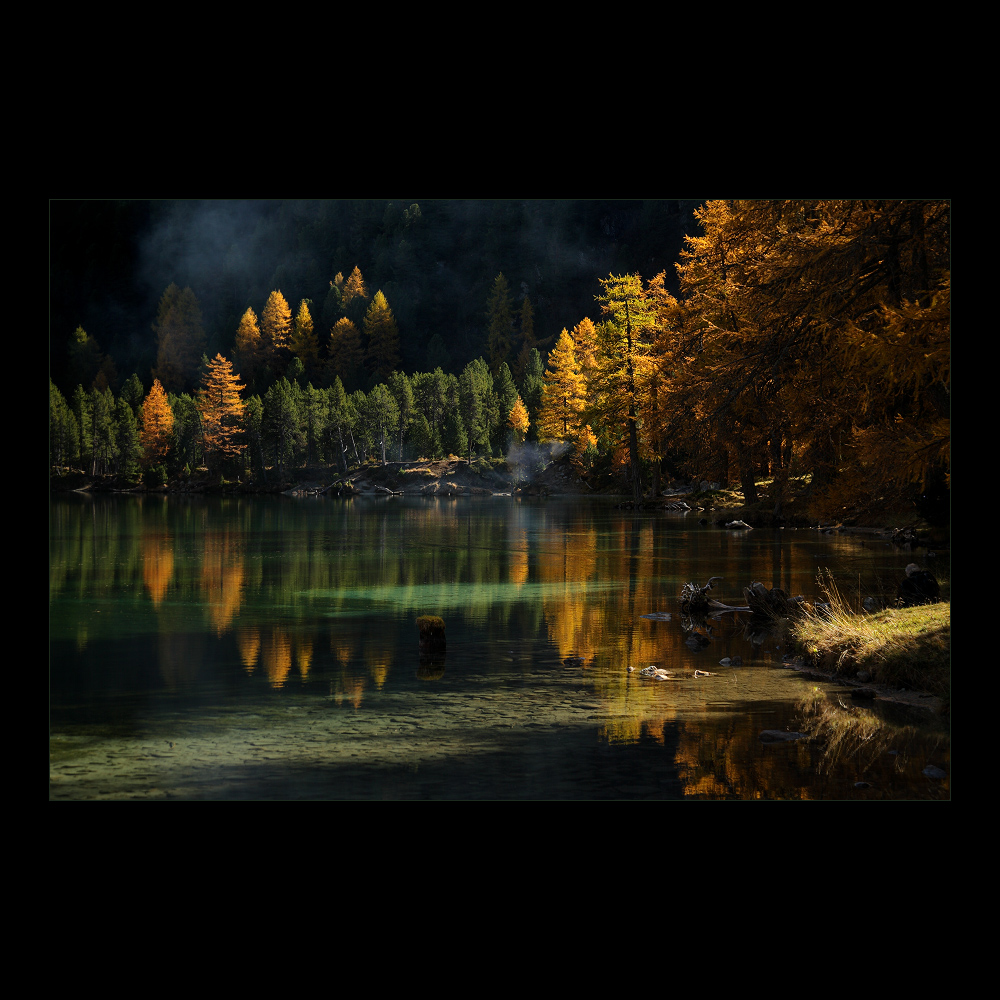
<point x="695" y="600"/>
<point x="759" y="600"/>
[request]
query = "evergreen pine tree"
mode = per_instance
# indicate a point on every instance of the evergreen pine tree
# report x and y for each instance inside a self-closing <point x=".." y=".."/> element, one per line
<point x="133" y="392"/>
<point x="64" y="431"/>
<point x="528" y="343"/>
<point x="531" y="390"/>
<point x="188" y="451"/>
<point x="82" y="410"/>
<point x="102" y="429"/>
<point x="85" y="357"/>
<point x="402" y="391"/>
<point x="381" y="414"/>
<point x="127" y="447"/>
<point x="498" y="323"/>
<point x="344" y="355"/>
<point x="180" y="338"/>
<point x="281" y="422"/>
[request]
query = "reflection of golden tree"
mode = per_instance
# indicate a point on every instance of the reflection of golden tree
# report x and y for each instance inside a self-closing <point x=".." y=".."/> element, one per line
<point x="379" y="671"/>
<point x="221" y="580"/>
<point x="378" y="656"/>
<point x="622" y="729"/>
<point x="248" y="643"/>
<point x="303" y="654"/>
<point x="342" y="650"/>
<point x="566" y="563"/>
<point x="157" y="564"/>
<point x="519" y="559"/>
<point x="349" y="689"/>
<point x="722" y="759"/>
<point x="277" y="658"/>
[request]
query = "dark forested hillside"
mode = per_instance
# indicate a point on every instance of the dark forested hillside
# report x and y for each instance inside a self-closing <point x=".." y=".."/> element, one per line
<point x="435" y="260"/>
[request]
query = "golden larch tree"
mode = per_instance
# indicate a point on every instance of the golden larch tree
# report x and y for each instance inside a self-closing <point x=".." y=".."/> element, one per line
<point x="624" y="339"/>
<point x="563" y="394"/>
<point x="517" y="420"/>
<point x="221" y="410"/>
<point x="304" y="344"/>
<point x="584" y="336"/>
<point x="249" y="346"/>
<point x="157" y="425"/>
<point x="382" y="356"/>
<point x="353" y="287"/>
<point x="276" y="323"/>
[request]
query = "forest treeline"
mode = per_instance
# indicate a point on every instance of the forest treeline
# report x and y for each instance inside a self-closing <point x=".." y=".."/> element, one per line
<point x="791" y="337"/>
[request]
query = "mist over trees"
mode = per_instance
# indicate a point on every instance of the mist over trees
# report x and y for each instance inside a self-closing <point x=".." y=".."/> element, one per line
<point x="435" y="262"/>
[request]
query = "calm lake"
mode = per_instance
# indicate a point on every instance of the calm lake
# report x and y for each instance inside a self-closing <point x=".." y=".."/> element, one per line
<point x="266" y="648"/>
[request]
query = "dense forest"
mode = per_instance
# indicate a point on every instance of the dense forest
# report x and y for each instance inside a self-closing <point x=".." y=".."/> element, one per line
<point x="726" y="340"/>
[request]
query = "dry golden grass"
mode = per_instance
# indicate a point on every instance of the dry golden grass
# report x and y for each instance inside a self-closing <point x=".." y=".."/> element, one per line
<point x="897" y="647"/>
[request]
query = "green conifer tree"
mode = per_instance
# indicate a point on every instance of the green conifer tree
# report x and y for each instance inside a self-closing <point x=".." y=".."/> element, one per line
<point x="180" y="338"/>
<point x="498" y="324"/>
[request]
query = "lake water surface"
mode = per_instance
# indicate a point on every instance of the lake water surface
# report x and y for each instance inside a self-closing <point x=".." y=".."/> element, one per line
<point x="266" y="648"/>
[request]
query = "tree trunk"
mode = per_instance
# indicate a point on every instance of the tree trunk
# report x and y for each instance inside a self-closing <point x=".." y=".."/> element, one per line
<point x="747" y="476"/>
<point x="343" y="450"/>
<point x="633" y="437"/>
<point x="633" y="455"/>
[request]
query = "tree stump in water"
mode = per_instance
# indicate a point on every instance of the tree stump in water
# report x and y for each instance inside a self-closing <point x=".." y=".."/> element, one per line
<point x="432" y="639"/>
<point x="694" y="600"/>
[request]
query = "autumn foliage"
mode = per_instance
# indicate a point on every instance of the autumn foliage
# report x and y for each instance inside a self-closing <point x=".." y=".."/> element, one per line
<point x="803" y="338"/>
<point x="157" y="425"/>
<point x="221" y="410"/>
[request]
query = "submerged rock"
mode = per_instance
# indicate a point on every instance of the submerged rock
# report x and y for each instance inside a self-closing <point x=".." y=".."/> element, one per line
<point x="918" y="587"/>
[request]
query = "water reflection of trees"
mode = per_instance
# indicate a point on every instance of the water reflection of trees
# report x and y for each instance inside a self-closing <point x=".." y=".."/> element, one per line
<point x="861" y="743"/>
<point x="581" y="574"/>
<point x="300" y="588"/>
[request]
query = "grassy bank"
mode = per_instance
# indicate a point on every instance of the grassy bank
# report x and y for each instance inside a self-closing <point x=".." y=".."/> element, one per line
<point x="897" y="648"/>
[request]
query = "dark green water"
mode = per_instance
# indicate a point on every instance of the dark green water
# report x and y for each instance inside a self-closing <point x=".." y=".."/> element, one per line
<point x="266" y="648"/>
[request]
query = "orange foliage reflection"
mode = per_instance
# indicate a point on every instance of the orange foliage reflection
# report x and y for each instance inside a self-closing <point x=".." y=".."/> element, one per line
<point x="248" y="642"/>
<point x="276" y="658"/>
<point x="222" y="579"/>
<point x="157" y="564"/>
<point x="303" y="655"/>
